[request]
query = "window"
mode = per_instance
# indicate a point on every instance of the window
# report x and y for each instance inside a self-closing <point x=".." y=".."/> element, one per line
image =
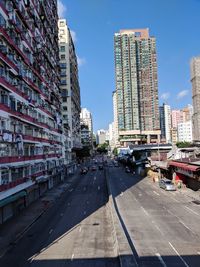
<point x="4" y="177"/>
<point x="62" y="49"/>
<point x="62" y="23"/>
<point x="62" y="57"/>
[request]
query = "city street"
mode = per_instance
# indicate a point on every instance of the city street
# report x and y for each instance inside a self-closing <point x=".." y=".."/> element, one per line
<point x="162" y="227"/>
<point x="76" y="231"/>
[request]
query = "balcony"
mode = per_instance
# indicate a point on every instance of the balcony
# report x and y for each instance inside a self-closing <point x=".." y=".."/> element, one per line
<point x="13" y="159"/>
<point x="10" y="185"/>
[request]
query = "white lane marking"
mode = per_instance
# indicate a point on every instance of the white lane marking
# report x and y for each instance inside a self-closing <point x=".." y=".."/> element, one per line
<point x="156" y="193"/>
<point x="185" y="263"/>
<point x="145" y="211"/>
<point x="99" y="187"/>
<point x="80" y="229"/>
<point x="72" y="257"/>
<point x="157" y="228"/>
<point x="84" y="212"/>
<point x="192" y="211"/>
<point x="68" y="204"/>
<point x="61" y="214"/>
<point x="95" y="177"/>
<point x="186" y="226"/>
<point x="71" y="190"/>
<point x="161" y="260"/>
<point x="50" y="231"/>
<point x="121" y="194"/>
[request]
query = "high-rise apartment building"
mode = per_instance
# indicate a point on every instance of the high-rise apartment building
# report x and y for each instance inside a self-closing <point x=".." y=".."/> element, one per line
<point x="136" y="86"/>
<point x="101" y="137"/>
<point x="177" y="117"/>
<point x="195" y="79"/>
<point x="165" y="122"/>
<point x="115" y="122"/>
<point x="86" y="118"/>
<point x="31" y="159"/>
<point x="185" y="131"/>
<point x="86" y="128"/>
<point x="70" y="92"/>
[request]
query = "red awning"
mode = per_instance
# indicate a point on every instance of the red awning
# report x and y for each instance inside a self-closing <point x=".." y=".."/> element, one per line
<point x="184" y="166"/>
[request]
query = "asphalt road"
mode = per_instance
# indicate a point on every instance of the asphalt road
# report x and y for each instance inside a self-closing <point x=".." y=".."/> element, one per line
<point x="76" y="231"/>
<point x="163" y="228"/>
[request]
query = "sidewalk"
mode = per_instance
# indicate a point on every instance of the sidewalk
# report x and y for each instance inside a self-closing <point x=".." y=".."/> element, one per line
<point x="14" y="229"/>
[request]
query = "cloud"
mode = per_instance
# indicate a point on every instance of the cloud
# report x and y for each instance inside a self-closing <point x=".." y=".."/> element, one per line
<point x="61" y="9"/>
<point x="81" y="61"/>
<point x="165" y="96"/>
<point x="182" y="94"/>
<point x="74" y="36"/>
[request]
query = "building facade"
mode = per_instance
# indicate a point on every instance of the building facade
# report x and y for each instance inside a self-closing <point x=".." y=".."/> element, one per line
<point x="31" y="159"/>
<point x="70" y="92"/>
<point x="195" y="80"/>
<point x="101" y="137"/>
<point x="86" y="128"/>
<point x="136" y="86"/>
<point x="165" y="122"/>
<point x="184" y="131"/>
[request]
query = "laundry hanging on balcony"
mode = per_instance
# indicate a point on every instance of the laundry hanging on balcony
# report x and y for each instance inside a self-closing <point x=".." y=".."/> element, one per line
<point x="20" y="144"/>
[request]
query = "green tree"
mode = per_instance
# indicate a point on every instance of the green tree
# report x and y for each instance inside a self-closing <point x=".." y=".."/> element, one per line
<point x="184" y="144"/>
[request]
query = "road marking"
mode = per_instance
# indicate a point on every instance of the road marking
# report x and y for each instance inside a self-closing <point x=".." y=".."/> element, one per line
<point x="161" y="260"/>
<point x="192" y="210"/>
<point x="99" y="187"/>
<point x="84" y="212"/>
<point x="50" y="231"/>
<point x="61" y="214"/>
<point x="156" y="193"/>
<point x="87" y="202"/>
<point x="84" y="188"/>
<point x="72" y="257"/>
<point x="95" y="177"/>
<point x="71" y="190"/>
<point x="145" y="211"/>
<point x="68" y="204"/>
<point x="157" y="228"/>
<point x="186" y="226"/>
<point x="185" y="263"/>
<point x="80" y="229"/>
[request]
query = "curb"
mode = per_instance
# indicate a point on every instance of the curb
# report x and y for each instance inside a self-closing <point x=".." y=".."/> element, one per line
<point x="121" y="244"/>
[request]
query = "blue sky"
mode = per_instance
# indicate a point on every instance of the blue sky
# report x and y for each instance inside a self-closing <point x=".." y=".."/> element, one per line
<point x="174" y="23"/>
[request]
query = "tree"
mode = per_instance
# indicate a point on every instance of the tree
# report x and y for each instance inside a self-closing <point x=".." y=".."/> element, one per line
<point x="115" y="152"/>
<point x="184" y="144"/>
<point x="102" y="148"/>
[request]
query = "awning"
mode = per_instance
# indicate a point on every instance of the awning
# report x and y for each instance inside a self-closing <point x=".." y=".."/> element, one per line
<point x="12" y="198"/>
<point x="185" y="166"/>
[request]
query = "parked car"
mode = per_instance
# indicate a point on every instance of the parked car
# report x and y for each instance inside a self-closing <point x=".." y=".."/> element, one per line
<point x="167" y="185"/>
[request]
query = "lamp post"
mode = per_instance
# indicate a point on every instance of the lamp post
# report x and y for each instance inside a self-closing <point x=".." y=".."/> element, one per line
<point x="159" y="174"/>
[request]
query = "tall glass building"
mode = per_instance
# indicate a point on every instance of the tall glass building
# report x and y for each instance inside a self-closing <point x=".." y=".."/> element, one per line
<point x="136" y="86"/>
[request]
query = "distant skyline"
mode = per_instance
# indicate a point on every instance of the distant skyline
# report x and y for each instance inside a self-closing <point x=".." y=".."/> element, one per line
<point x="93" y="23"/>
